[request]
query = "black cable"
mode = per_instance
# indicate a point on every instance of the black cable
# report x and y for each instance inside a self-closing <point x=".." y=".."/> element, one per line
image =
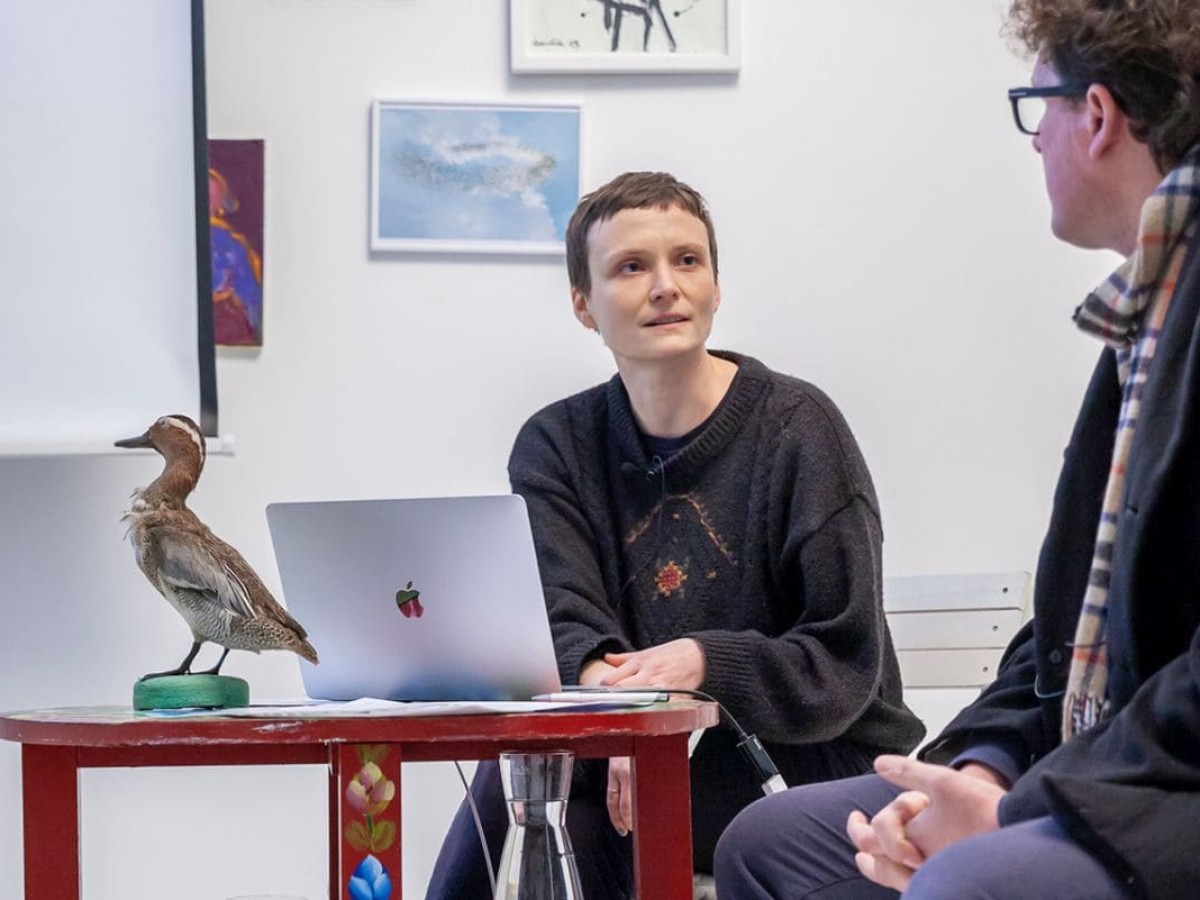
<point x="751" y="747"/>
<point x="772" y="782"/>
<point x="487" y="856"/>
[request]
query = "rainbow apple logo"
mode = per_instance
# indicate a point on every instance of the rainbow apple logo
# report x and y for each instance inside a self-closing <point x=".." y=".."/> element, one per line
<point x="408" y="599"/>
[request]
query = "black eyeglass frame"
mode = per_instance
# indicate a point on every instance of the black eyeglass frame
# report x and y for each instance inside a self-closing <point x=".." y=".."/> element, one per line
<point x="1017" y="94"/>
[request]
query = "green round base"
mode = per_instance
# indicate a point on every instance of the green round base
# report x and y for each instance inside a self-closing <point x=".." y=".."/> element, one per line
<point x="187" y="691"/>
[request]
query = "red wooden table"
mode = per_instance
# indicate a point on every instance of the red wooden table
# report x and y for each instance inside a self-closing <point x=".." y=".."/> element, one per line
<point x="364" y="754"/>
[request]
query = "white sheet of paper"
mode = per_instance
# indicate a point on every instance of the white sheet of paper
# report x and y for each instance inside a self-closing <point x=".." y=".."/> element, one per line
<point x="370" y="706"/>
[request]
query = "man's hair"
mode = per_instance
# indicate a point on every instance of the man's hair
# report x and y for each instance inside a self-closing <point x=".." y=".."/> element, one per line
<point x="633" y="190"/>
<point x="1146" y="52"/>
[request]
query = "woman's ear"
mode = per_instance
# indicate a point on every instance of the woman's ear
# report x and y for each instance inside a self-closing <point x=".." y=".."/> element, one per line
<point x="579" y="302"/>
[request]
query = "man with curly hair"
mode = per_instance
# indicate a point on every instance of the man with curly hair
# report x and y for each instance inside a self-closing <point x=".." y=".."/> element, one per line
<point x="1076" y="774"/>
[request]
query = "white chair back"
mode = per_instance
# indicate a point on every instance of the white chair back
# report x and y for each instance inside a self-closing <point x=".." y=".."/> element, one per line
<point x="950" y="632"/>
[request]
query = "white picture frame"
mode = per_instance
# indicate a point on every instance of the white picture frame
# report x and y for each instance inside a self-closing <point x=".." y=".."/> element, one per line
<point x="449" y="177"/>
<point x="625" y="36"/>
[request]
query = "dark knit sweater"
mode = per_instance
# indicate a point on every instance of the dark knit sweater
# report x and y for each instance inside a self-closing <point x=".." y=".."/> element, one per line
<point x="760" y="539"/>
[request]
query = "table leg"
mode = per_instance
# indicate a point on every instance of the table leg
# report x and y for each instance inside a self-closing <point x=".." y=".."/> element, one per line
<point x="335" y="825"/>
<point x="662" y="818"/>
<point x="365" y="813"/>
<point x="50" y="800"/>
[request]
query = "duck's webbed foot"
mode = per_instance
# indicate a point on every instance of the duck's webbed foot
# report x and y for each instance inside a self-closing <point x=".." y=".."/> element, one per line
<point x="184" y="668"/>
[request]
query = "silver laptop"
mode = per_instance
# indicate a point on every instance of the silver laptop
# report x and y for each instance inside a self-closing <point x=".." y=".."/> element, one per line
<point x="416" y="599"/>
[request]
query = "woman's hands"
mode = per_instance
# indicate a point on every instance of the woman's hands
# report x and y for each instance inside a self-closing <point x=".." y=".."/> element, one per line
<point x="675" y="664"/>
<point x="620" y="795"/>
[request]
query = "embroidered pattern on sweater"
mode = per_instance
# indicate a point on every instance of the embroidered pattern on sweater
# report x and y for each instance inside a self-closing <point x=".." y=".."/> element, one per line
<point x="670" y="578"/>
<point x="691" y="500"/>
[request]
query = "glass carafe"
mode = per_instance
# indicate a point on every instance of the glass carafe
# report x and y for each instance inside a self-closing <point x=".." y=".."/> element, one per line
<point x="537" y="862"/>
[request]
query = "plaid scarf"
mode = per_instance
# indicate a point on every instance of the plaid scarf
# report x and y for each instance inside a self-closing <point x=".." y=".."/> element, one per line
<point x="1127" y="313"/>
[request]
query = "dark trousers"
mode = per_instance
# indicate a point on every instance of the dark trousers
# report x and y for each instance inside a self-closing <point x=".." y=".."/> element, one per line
<point x="793" y="846"/>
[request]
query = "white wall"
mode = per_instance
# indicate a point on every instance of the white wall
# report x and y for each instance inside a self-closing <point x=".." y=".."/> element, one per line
<point x="883" y="233"/>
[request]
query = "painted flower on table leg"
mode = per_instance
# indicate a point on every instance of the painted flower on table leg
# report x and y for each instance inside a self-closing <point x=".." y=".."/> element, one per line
<point x="370" y="881"/>
<point x="370" y="793"/>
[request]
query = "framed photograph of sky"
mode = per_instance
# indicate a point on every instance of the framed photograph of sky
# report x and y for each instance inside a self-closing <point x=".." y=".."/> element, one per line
<point x="625" y="35"/>
<point x="473" y="178"/>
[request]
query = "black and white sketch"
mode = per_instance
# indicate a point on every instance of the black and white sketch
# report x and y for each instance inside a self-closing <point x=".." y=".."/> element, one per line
<point x="625" y="35"/>
<point x="650" y="11"/>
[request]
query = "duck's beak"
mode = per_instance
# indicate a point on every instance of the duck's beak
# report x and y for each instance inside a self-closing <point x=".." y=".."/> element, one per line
<point x="142" y="440"/>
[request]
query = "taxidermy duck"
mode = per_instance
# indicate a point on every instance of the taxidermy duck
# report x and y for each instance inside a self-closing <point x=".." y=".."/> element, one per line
<point x="206" y="580"/>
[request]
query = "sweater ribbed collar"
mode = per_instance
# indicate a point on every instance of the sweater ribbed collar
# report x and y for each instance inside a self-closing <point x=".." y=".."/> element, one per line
<point x="747" y="386"/>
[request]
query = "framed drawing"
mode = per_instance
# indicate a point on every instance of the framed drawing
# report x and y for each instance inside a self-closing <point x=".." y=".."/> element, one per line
<point x="625" y="35"/>
<point x="473" y="178"/>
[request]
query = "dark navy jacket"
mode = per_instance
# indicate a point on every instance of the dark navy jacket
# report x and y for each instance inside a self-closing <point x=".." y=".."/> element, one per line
<point x="1129" y="789"/>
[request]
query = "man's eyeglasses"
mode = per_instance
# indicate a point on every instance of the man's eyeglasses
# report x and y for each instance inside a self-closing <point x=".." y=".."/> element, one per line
<point x="1029" y="103"/>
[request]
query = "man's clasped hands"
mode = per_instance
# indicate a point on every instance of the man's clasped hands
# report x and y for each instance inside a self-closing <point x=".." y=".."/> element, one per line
<point x="937" y="807"/>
